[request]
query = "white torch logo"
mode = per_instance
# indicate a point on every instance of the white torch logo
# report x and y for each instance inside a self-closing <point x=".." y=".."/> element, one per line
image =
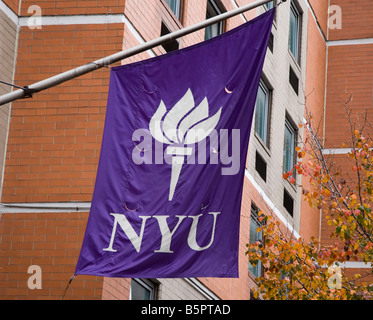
<point x="183" y="125"/>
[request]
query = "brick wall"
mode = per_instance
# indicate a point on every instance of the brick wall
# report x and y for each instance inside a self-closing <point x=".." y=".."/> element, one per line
<point x="13" y="5"/>
<point x="68" y="7"/>
<point x="52" y="153"/>
<point x="349" y="73"/>
<point x="54" y="138"/>
<point x="116" y="289"/>
<point x="51" y="241"/>
<point x="320" y="9"/>
<point x="315" y="96"/>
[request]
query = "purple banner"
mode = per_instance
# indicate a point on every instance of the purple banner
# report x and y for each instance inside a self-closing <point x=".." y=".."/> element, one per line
<point x="169" y="184"/>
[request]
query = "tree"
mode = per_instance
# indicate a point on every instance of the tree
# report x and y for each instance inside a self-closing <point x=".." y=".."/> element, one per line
<point x="294" y="269"/>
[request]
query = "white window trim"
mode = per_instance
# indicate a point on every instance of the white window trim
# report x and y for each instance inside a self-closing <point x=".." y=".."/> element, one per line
<point x="147" y="284"/>
<point x="267" y="92"/>
<point x="294" y="8"/>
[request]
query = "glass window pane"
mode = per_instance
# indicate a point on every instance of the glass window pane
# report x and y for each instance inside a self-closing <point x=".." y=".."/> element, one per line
<point x="216" y="29"/>
<point x="255" y="236"/>
<point x="175" y="7"/>
<point x="261" y="113"/>
<point x="139" y="292"/>
<point x="289" y="146"/>
<point x="294" y="32"/>
<point x="212" y="31"/>
<point x="269" y="5"/>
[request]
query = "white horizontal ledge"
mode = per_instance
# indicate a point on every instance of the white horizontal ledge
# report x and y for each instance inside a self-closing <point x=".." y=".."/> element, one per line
<point x="336" y="151"/>
<point x="75" y="19"/>
<point x="350" y="42"/>
<point x="45" y="207"/>
<point x="355" y="265"/>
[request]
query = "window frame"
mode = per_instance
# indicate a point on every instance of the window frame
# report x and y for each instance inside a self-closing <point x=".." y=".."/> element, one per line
<point x="269" y="5"/>
<point x="288" y="195"/>
<point x="147" y="285"/>
<point x="262" y="174"/>
<point x="298" y="22"/>
<point x="218" y="9"/>
<point x="178" y="9"/>
<point x="256" y="271"/>
<point x="171" y="45"/>
<point x="292" y="129"/>
<point x="267" y="113"/>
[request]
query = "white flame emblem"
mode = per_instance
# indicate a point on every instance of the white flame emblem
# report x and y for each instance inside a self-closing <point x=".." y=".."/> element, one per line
<point x="184" y="124"/>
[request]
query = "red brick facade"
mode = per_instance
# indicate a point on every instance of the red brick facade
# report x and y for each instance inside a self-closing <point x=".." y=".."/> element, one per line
<point x="54" y="139"/>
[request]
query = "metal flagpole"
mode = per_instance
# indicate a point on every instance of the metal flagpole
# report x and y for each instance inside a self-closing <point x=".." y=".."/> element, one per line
<point x="27" y="91"/>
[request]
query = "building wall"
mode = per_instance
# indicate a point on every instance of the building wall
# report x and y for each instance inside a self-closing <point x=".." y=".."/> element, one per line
<point x="285" y="103"/>
<point x="55" y="138"/>
<point x="50" y="240"/>
<point x="53" y="149"/>
<point x="314" y="98"/>
<point x="349" y="78"/>
<point x="357" y="20"/>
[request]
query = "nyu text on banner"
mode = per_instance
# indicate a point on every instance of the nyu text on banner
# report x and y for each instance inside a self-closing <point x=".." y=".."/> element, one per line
<point x="169" y="184"/>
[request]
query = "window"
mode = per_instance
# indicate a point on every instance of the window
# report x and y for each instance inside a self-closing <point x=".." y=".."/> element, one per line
<point x="142" y="289"/>
<point x="269" y="5"/>
<point x="294" y="33"/>
<point x="170" y="45"/>
<point x="289" y="146"/>
<point x="288" y="202"/>
<point x="175" y="6"/>
<point x="255" y="236"/>
<point x="294" y="81"/>
<point x="270" y="42"/>
<point x="217" y="28"/>
<point x="262" y="113"/>
<point x="261" y="166"/>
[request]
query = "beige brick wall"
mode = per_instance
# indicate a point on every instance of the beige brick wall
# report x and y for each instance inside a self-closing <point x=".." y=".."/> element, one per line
<point x="178" y="289"/>
<point x="284" y="100"/>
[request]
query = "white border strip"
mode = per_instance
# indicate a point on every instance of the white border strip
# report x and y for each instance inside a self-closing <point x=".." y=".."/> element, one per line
<point x="271" y="205"/>
<point x="336" y="151"/>
<point x="45" y="207"/>
<point x="355" y="265"/>
<point x="352" y="42"/>
<point x="76" y="19"/>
